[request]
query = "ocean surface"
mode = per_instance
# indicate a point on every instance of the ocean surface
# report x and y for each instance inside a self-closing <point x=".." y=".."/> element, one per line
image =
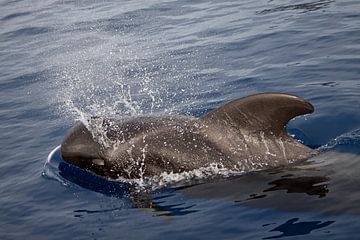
<point x="61" y="61"/>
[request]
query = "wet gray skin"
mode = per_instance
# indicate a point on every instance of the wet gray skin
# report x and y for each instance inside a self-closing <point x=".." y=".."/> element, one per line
<point x="245" y="134"/>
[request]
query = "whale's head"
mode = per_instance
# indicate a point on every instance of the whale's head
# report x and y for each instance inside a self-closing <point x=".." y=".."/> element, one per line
<point x="80" y="149"/>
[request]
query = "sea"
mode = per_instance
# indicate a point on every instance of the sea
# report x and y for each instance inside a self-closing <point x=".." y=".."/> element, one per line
<point x="63" y="61"/>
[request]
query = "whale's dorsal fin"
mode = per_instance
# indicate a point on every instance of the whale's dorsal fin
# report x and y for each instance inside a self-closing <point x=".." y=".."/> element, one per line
<point x="267" y="112"/>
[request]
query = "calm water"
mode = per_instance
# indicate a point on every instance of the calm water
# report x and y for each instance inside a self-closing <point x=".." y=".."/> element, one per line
<point x="66" y="60"/>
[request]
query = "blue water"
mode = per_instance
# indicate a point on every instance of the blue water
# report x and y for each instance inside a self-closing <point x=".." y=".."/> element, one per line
<point x="66" y="60"/>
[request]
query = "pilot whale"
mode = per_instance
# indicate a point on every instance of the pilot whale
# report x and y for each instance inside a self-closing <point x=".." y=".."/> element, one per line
<point x="245" y="134"/>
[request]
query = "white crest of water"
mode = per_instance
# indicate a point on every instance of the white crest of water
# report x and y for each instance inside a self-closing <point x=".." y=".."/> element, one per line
<point x="187" y="177"/>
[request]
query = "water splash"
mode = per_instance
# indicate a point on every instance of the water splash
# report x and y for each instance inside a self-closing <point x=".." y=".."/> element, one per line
<point x="165" y="179"/>
<point x="187" y="178"/>
<point x="121" y="77"/>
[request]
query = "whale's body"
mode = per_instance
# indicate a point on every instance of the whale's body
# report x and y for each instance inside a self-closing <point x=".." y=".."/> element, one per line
<point x="246" y="134"/>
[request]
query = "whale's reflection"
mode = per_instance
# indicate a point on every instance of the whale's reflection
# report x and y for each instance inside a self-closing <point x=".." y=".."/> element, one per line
<point x="293" y="227"/>
<point x="326" y="185"/>
<point x="282" y="189"/>
<point x="313" y="185"/>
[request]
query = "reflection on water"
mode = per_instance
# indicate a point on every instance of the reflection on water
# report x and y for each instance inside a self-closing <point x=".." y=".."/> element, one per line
<point x="314" y="186"/>
<point x="293" y="228"/>
<point x="81" y="212"/>
<point x="159" y="205"/>
<point x="325" y="184"/>
<point x="303" y="7"/>
<point x="308" y="185"/>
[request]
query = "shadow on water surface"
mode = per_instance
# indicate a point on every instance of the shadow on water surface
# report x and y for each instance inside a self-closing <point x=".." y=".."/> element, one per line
<point x="294" y="228"/>
<point x="326" y="184"/>
<point x="309" y="185"/>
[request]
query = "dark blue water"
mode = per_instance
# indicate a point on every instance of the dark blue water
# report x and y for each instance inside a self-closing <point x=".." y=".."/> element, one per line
<point x="65" y="60"/>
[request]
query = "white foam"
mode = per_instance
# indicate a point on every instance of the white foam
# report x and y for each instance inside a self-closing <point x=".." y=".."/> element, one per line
<point x="171" y="179"/>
